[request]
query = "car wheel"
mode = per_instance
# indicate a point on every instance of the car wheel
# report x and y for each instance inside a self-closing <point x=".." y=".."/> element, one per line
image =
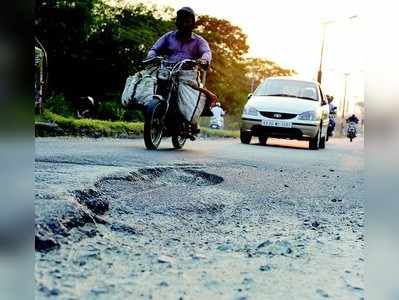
<point x="262" y="139"/>
<point x="322" y="139"/>
<point x="315" y="142"/>
<point x="245" y="137"/>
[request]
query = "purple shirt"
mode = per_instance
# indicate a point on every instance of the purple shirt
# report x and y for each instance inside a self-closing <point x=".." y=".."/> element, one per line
<point x="176" y="50"/>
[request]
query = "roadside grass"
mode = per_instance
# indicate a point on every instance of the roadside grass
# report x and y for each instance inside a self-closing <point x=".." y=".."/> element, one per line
<point x="207" y="132"/>
<point x="231" y="127"/>
<point x="230" y="122"/>
<point x="92" y="127"/>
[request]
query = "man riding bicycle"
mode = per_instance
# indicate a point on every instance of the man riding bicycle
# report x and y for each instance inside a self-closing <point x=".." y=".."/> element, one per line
<point x="184" y="44"/>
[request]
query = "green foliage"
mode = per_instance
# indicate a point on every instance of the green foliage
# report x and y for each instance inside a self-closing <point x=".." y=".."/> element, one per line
<point x="92" y="46"/>
<point x="220" y="133"/>
<point x="113" y="111"/>
<point x="133" y="115"/>
<point x="259" y="69"/>
<point x="231" y="73"/>
<point x="110" y="110"/>
<point x="77" y="127"/>
<point x="58" y="105"/>
<point x="227" y="74"/>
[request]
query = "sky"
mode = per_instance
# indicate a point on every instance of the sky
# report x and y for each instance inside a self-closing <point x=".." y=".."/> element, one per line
<point x="289" y="32"/>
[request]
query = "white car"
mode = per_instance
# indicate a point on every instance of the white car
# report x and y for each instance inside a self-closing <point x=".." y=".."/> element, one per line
<point x="286" y="107"/>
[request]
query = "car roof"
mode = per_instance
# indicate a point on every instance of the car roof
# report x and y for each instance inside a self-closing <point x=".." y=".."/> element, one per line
<point x="291" y="78"/>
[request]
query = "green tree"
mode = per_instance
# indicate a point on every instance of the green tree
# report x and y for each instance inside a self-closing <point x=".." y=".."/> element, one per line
<point x="93" y="46"/>
<point x="258" y="69"/>
<point x="63" y="27"/>
<point x="227" y="73"/>
<point x="232" y="75"/>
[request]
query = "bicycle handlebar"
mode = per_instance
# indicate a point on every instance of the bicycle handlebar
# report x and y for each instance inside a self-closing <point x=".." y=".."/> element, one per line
<point x="178" y="65"/>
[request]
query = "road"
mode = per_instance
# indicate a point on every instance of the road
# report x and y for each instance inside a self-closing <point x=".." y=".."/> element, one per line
<point x="216" y="220"/>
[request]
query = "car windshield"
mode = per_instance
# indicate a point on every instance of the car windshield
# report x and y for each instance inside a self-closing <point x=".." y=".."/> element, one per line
<point x="288" y="88"/>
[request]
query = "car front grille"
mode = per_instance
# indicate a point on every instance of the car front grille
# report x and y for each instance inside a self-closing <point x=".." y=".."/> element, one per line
<point x="277" y="115"/>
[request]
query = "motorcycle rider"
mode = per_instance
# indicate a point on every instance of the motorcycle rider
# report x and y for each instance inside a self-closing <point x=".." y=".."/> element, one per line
<point x="183" y="44"/>
<point x="332" y="112"/>
<point x="352" y="118"/>
<point x="331" y="106"/>
<point x="352" y="122"/>
<point x="218" y="114"/>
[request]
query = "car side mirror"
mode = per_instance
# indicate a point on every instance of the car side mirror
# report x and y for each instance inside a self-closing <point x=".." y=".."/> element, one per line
<point x="249" y="96"/>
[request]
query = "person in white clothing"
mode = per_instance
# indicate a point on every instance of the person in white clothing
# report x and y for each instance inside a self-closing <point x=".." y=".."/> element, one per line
<point x="217" y="121"/>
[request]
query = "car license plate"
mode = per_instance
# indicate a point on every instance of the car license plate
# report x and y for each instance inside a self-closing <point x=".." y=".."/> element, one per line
<point x="276" y="123"/>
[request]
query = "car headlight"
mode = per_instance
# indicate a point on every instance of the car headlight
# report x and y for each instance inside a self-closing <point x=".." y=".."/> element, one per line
<point x="250" y="111"/>
<point x="308" y="116"/>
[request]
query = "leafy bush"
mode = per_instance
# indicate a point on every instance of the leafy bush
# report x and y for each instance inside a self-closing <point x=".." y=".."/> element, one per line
<point x="89" y="127"/>
<point x="110" y="110"/>
<point x="57" y="104"/>
<point x="133" y="116"/>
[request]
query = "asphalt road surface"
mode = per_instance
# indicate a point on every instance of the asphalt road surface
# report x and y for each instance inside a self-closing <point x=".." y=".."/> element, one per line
<point x="216" y="220"/>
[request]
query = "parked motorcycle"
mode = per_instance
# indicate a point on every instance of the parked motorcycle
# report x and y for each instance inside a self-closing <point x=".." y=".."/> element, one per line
<point x="162" y="117"/>
<point x="351" y="131"/>
<point x="84" y="107"/>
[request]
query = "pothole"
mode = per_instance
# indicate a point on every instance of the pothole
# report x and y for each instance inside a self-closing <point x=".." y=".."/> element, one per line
<point x="178" y="176"/>
<point x="94" y="202"/>
<point x="149" y="177"/>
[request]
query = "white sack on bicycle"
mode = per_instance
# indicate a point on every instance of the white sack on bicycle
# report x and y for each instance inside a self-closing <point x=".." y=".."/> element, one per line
<point x="140" y="87"/>
<point x="190" y="101"/>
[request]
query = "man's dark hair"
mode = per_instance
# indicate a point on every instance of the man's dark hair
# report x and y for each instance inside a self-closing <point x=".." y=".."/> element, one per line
<point x="185" y="11"/>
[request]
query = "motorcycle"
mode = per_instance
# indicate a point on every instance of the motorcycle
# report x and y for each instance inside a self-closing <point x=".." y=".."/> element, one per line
<point x="216" y="123"/>
<point x="162" y="117"/>
<point x="84" y="107"/>
<point x="351" y="131"/>
<point x="331" y="122"/>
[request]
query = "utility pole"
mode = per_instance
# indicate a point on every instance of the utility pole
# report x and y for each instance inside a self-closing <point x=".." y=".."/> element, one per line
<point x="344" y="104"/>
<point x="319" y="73"/>
<point x="324" y="25"/>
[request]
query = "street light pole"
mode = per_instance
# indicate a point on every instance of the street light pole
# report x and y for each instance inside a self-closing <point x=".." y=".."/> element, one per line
<point x="319" y="73"/>
<point x="344" y="103"/>
<point x="324" y="24"/>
